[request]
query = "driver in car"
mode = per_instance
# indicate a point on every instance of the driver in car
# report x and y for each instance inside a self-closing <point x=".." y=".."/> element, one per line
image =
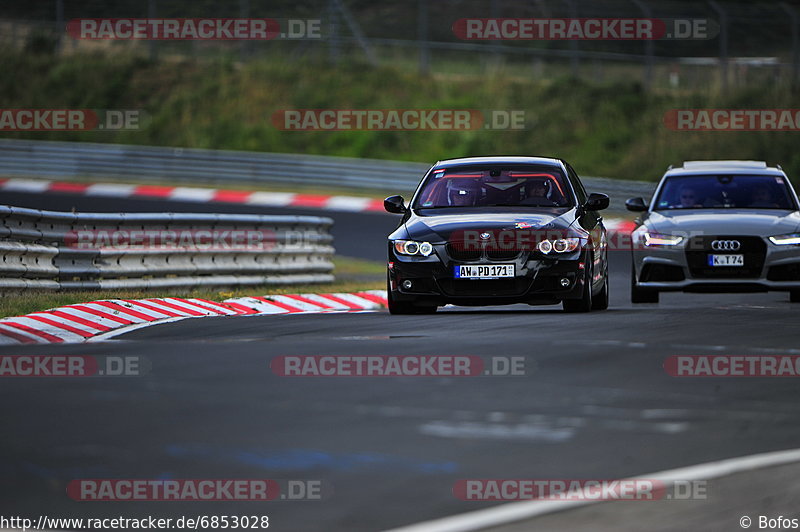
<point x="537" y="194"/>
<point x="762" y="198"/>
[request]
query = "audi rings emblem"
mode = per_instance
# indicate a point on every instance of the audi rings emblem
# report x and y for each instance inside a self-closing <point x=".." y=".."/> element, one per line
<point x="726" y="245"/>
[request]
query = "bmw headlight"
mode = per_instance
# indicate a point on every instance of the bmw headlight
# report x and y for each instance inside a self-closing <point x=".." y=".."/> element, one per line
<point x="657" y="239"/>
<point x="792" y="239"/>
<point x="560" y="245"/>
<point x="412" y="247"/>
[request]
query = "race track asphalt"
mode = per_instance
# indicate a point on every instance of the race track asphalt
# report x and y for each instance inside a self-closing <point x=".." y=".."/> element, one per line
<point x="595" y="402"/>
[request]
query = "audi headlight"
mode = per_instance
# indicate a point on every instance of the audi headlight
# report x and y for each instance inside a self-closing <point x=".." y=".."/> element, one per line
<point x="792" y="239"/>
<point x="411" y="247"/>
<point x="561" y="245"/>
<point x="657" y="239"/>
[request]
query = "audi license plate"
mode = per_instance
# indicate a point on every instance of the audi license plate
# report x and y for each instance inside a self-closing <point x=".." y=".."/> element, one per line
<point x="484" y="271"/>
<point x="726" y="260"/>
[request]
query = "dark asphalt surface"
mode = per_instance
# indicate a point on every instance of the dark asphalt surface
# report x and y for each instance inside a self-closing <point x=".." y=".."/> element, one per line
<point x="595" y="403"/>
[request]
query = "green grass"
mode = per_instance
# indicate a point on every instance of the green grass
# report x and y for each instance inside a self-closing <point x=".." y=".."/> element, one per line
<point x="353" y="275"/>
<point x="606" y="129"/>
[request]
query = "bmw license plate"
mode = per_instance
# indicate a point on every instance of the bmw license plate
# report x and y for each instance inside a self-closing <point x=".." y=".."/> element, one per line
<point x="726" y="260"/>
<point x="484" y="271"/>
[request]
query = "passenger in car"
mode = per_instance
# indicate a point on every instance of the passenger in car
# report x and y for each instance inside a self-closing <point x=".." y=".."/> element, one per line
<point x="687" y="198"/>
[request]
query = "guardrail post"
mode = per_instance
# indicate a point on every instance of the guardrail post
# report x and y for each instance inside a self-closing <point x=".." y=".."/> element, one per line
<point x="792" y="12"/>
<point x="60" y="28"/>
<point x="422" y="37"/>
<point x="355" y="29"/>
<point x="333" y="32"/>
<point x="723" y="43"/>
<point x="152" y="43"/>
<point x="244" y="45"/>
<point x="648" y="46"/>
<point x="573" y="44"/>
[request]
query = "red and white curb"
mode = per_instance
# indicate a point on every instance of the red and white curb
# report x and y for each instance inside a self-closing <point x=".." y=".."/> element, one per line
<point x="197" y="195"/>
<point x="617" y="225"/>
<point x="103" y="319"/>
<point x="213" y="195"/>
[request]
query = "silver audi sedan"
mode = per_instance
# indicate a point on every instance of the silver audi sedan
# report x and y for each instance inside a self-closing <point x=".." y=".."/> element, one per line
<point x="717" y="226"/>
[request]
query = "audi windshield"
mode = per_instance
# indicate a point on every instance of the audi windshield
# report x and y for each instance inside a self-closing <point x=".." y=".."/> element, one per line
<point x="725" y="191"/>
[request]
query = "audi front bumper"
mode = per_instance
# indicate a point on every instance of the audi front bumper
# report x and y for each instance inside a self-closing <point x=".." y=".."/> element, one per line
<point x="685" y="267"/>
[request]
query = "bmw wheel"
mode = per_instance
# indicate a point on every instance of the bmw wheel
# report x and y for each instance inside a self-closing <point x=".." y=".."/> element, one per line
<point x="584" y="304"/>
<point x="600" y="301"/>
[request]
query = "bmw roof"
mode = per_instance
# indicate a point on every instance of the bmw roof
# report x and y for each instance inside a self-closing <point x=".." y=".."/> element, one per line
<point x="500" y="160"/>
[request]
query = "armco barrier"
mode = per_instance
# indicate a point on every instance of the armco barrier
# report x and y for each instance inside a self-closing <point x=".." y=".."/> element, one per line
<point x="79" y="160"/>
<point x="60" y="250"/>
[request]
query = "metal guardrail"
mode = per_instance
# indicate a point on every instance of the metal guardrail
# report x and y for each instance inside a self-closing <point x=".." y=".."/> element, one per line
<point x="63" y="251"/>
<point x="78" y="160"/>
<point x="74" y="160"/>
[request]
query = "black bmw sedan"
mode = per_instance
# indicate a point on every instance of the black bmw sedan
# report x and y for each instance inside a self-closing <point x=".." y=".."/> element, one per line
<point x="498" y="230"/>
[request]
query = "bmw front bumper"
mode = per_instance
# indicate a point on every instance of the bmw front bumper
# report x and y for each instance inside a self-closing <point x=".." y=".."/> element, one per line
<point x="538" y="279"/>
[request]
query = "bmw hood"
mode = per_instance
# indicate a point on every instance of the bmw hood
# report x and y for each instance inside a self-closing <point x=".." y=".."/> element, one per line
<point x="766" y="222"/>
<point x="443" y="227"/>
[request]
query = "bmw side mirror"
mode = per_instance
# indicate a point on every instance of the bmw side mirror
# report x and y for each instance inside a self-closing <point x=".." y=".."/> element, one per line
<point x="636" y="205"/>
<point x="394" y="205"/>
<point x="596" y="202"/>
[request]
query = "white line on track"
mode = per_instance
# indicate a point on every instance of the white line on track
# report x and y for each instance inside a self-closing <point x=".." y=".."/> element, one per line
<point x="111" y="334"/>
<point x="520" y="511"/>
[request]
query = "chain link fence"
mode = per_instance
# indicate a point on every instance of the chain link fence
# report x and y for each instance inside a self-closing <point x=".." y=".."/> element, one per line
<point x="748" y="43"/>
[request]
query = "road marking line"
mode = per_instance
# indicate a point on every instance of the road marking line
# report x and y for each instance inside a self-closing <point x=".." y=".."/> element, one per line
<point x="122" y="330"/>
<point x="523" y="510"/>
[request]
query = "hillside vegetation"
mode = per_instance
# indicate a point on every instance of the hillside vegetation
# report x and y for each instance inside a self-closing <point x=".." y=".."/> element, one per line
<point x="613" y="130"/>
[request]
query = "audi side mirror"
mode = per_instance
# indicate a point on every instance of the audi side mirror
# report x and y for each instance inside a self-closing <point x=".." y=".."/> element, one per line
<point x="596" y="202"/>
<point x="636" y="205"/>
<point x="394" y="205"/>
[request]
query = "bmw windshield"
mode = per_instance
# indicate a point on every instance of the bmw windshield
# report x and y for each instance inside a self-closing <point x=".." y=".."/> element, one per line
<point x="483" y="186"/>
<point x="725" y="191"/>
